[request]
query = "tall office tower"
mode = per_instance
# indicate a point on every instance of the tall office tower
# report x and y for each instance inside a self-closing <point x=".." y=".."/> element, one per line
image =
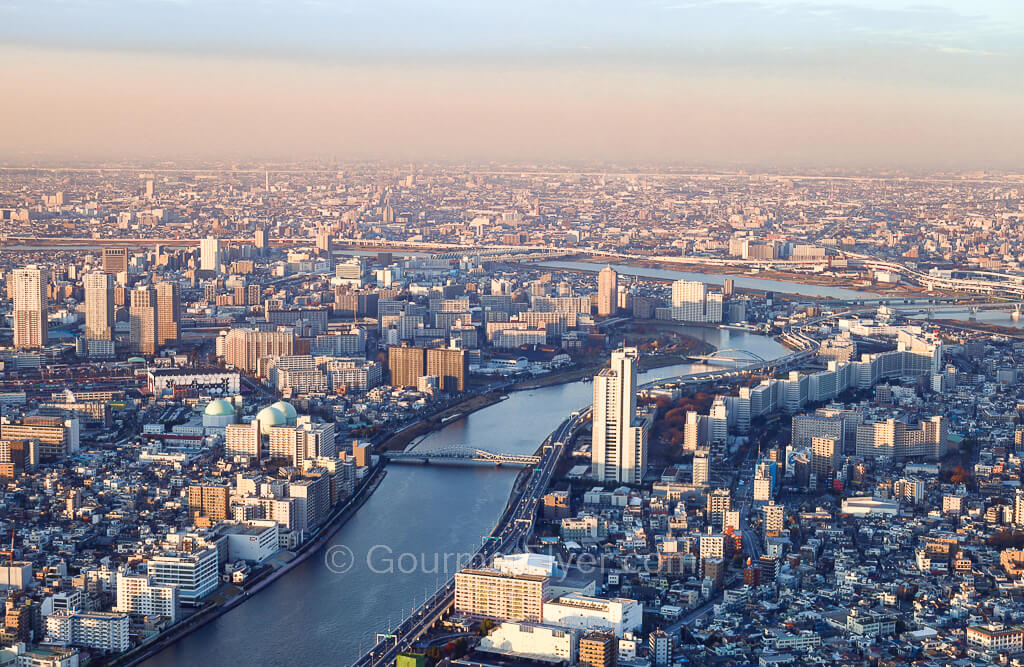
<point x="168" y="312"/>
<point x="260" y="239"/>
<point x="209" y="254"/>
<point x="607" y="291"/>
<point x="619" y="450"/>
<point x="115" y="260"/>
<point x="142" y="317"/>
<point x="450" y="366"/>
<point x="407" y="365"/>
<point x="149" y="188"/>
<point x="825" y="454"/>
<point x="99" y="305"/>
<point x="729" y="287"/>
<point x="30" y="304"/>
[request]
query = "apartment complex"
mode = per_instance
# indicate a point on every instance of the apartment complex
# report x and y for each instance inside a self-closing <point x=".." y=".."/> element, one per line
<point x="489" y="593"/>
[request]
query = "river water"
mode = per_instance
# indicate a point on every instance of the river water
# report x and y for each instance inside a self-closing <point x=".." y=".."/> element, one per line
<point x="741" y="281"/>
<point x="314" y="615"/>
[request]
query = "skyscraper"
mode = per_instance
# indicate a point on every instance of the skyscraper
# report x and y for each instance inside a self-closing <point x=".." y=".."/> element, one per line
<point x="142" y="317"/>
<point x="260" y="239"/>
<point x="168" y="306"/>
<point x="115" y="260"/>
<point x="619" y="449"/>
<point x="30" y="303"/>
<point x="607" y="291"/>
<point x="99" y="305"/>
<point x="209" y="254"/>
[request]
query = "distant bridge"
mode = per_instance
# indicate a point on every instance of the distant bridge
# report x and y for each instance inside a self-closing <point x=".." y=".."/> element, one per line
<point x="462" y="454"/>
<point x="729" y="356"/>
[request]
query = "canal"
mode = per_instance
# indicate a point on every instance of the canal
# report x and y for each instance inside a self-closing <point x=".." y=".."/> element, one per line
<point x="419" y="518"/>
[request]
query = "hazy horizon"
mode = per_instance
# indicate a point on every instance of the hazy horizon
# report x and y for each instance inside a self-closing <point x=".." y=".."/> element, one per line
<point x="758" y="82"/>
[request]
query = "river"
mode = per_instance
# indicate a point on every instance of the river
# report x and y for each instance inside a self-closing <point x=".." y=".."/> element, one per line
<point x="740" y="281"/>
<point x="313" y="615"/>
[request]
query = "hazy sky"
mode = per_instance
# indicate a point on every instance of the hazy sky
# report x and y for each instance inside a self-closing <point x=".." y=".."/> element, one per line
<point x="762" y="82"/>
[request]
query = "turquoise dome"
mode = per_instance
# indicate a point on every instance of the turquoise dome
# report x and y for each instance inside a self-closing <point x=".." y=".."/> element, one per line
<point x="288" y="411"/>
<point x="268" y="417"/>
<point x="219" y="408"/>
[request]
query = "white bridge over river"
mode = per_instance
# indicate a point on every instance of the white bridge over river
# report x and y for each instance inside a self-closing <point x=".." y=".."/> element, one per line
<point x="461" y="455"/>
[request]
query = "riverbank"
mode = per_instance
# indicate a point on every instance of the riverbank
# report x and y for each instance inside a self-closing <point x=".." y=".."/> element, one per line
<point x="208" y="614"/>
<point x="399" y="440"/>
<point x="800" y="277"/>
<point x="750" y="283"/>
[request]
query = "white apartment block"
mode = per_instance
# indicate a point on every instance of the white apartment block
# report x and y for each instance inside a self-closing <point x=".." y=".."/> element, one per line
<point x="487" y="593"/>
<point x="140" y="595"/>
<point x="103" y="631"/>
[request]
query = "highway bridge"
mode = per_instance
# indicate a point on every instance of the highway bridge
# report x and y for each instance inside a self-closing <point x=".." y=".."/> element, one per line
<point x="460" y="455"/>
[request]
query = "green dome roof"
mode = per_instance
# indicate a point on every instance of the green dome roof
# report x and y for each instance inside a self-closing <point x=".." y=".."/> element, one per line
<point x="136" y="360"/>
<point x="287" y="410"/>
<point x="270" y="416"/>
<point x="219" y="408"/>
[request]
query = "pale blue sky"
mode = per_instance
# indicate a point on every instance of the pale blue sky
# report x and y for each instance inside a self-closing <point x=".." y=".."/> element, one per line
<point x="747" y="80"/>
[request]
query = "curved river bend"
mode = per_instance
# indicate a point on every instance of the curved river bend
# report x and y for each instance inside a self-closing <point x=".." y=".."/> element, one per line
<point x="315" y="616"/>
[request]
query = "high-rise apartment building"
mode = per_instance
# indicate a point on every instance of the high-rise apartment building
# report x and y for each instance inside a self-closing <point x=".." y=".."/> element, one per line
<point x="489" y="593"/>
<point x="209" y="254"/>
<point x="242" y="440"/>
<point x="142" y="318"/>
<point x="450" y="366"/>
<point x="243" y="348"/>
<point x="719" y="502"/>
<point x="210" y="501"/>
<point x="619" y="449"/>
<point x="774" y="517"/>
<point x="168" y="312"/>
<point x="701" y="468"/>
<point x="597" y="649"/>
<point x="140" y="596"/>
<point x="30" y="306"/>
<point x="691" y="302"/>
<point x="894" y="439"/>
<point x="407" y="365"/>
<point x="115" y="260"/>
<point x="260" y="239"/>
<point x="607" y="291"/>
<point x="825" y="456"/>
<point x="99" y="305"/>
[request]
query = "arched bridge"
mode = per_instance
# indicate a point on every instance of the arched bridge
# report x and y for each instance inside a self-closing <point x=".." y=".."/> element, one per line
<point x="729" y="356"/>
<point x="462" y="454"/>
